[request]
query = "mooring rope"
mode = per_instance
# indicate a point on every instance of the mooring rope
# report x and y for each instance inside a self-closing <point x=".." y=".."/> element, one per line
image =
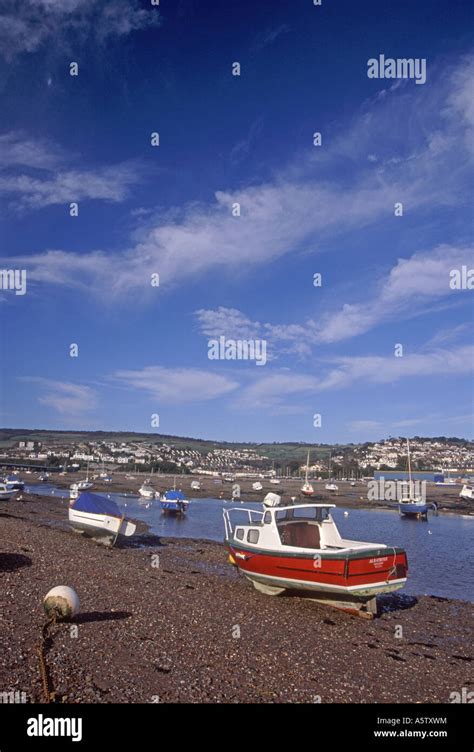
<point x="48" y="690"/>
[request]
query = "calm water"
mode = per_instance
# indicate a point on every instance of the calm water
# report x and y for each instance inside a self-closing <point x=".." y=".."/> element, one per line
<point x="440" y="551"/>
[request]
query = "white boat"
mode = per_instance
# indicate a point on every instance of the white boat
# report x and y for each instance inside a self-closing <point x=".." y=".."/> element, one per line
<point x="331" y="487"/>
<point x="257" y="486"/>
<point x="274" y="481"/>
<point x="81" y="485"/>
<point x="99" y="518"/>
<point x="307" y="489"/>
<point x="411" y="504"/>
<point x="14" y="483"/>
<point x="6" y="493"/>
<point x="147" y="491"/>
<point x="195" y="485"/>
<point x="467" y="492"/>
<point x="271" y="500"/>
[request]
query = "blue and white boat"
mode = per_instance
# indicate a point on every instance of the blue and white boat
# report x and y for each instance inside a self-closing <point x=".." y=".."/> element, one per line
<point x="173" y="502"/>
<point x="99" y="518"/>
<point x="14" y="483"/>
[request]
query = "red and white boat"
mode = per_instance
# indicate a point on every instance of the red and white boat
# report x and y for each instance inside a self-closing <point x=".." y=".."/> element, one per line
<point x="299" y="548"/>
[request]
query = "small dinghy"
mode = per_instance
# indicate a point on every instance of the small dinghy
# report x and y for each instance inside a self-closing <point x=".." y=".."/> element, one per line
<point x="99" y="517"/>
<point x="271" y="500"/>
<point x="299" y="548"/>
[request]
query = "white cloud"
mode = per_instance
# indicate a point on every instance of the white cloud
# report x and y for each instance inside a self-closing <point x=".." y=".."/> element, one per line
<point x="307" y="205"/>
<point x="29" y="25"/>
<point x="64" y="186"/>
<point x="64" y="397"/>
<point x="35" y="174"/>
<point x="176" y="385"/>
<point x="403" y="293"/>
<point x="271" y="390"/>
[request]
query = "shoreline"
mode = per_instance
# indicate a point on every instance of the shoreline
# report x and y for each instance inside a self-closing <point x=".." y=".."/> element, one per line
<point x="169" y="618"/>
<point x="446" y="498"/>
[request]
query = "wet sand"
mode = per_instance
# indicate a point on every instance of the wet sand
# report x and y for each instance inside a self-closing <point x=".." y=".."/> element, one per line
<point x="192" y="629"/>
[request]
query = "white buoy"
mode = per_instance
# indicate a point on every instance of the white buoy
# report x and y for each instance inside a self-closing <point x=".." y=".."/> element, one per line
<point x="63" y="601"/>
<point x="346" y="514"/>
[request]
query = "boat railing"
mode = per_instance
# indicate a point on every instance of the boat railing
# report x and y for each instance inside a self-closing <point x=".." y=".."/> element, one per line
<point x="251" y="515"/>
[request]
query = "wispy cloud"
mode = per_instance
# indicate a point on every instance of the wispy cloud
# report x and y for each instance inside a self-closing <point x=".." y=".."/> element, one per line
<point x="272" y="390"/>
<point x="311" y="201"/>
<point x="176" y="385"/>
<point x="403" y="293"/>
<point x="29" y="25"/>
<point x="269" y="36"/>
<point x="36" y="174"/>
<point x="66" y="398"/>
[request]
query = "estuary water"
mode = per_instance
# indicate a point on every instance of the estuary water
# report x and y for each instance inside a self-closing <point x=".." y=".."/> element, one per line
<point x="440" y="550"/>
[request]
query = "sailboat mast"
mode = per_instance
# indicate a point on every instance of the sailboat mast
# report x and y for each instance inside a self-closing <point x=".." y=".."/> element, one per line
<point x="307" y="468"/>
<point x="409" y="468"/>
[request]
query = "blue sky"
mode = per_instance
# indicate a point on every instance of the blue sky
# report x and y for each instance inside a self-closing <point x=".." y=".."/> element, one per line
<point x="305" y="209"/>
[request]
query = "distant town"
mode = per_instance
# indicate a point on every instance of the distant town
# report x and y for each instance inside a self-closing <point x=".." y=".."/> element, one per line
<point x="61" y="451"/>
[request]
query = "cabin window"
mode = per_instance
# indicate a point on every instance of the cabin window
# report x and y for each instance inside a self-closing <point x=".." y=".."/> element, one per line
<point x="239" y="533"/>
<point x="253" y="536"/>
<point x="267" y="518"/>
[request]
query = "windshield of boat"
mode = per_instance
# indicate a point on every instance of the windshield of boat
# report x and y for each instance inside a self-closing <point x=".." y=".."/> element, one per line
<point x="312" y="514"/>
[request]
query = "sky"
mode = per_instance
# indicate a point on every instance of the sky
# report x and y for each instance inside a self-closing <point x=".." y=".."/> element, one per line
<point x="220" y="229"/>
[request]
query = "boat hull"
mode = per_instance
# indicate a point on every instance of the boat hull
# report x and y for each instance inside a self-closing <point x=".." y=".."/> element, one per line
<point x="173" y="507"/>
<point x="412" y="510"/>
<point x="101" y="526"/>
<point x="7" y="495"/>
<point x="351" y="579"/>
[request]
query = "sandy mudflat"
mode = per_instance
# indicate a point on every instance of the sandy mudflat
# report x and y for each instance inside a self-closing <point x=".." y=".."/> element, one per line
<point x="171" y="633"/>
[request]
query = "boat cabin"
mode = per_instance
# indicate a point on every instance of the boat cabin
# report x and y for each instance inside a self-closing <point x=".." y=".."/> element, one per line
<point x="299" y="526"/>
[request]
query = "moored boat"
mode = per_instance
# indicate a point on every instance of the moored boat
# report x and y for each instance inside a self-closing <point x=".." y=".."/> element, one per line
<point x="14" y="483"/>
<point x="6" y="493"/>
<point x="331" y="487"/>
<point x="195" y="485"/>
<point x="467" y="492"/>
<point x="174" y="502"/>
<point x="271" y="500"/>
<point x="411" y="504"/>
<point x="307" y="489"/>
<point x="146" y="490"/>
<point x="99" y="517"/>
<point x="257" y="486"/>
<point x="299" y="548"/>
